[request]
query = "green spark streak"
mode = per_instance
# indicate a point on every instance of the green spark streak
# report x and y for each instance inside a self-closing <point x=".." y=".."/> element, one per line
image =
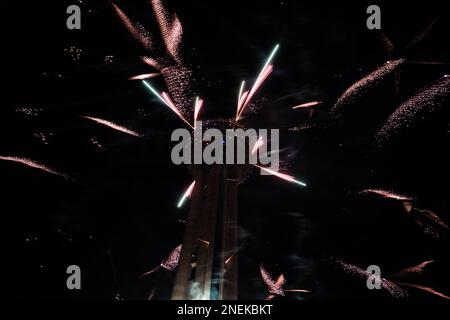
<point x="269" y="60"/>
<point x="153" y="90"/>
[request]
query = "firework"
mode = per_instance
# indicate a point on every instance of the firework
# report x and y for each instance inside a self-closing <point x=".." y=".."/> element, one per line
<point x="171" y="262"/>
<point x="151" y="271"/>
<point x="170" y="27"/>
<point x="427" y="101"/>
<point x="258" y="145"/>
<point x="204" y="241"/>
<point x="33" y="164"/>
<point x="282" y="175"/>
<point x="307" y="105"/>
<point x="417" y="269"/>
<point x="391" y="287"/>
<point x="136" y="30"/>
<point x="361" y="87"/>
<point x="244" y="98"/>
<point x="164" y="97"/>
<point x="143" y="76"/>
<point x="275" y="287"/>
<point x="112" y="125"/>
<point x="424" y="288"/>
<point x="197" y="107"/>
<point x="229" y="259"/>
<point x="386" y="194"/>
<point x="187" y="194"/>
<point x="151" y="294"/>
<point x="427" y="220"/>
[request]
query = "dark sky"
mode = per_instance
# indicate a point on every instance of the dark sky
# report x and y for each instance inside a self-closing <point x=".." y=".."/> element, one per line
<point x="117" y="218"/>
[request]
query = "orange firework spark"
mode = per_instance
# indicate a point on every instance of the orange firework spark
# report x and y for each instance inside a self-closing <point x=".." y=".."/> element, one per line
<point x="112" y="125"/>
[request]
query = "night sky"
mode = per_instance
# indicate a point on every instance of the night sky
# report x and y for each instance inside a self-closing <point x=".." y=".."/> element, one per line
<point x="116" y="215"/>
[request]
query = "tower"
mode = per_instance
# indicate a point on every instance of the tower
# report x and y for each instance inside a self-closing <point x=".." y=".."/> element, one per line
<point x="207" y="269"/>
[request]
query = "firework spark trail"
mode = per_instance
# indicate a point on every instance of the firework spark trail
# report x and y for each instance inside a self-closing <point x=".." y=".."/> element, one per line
<point x="197" y="107"/>
<point x="204" y="241"/>
<point x="229" y="259"/>
<point x="423" y="33"/>
<point x="151" y="62"/>
<point x="144" y="76"/>
<point x="112" y="125"/>
<point x="424" y="288"/>
<point x="281" y="175"/>
<point x="265" y="71"/>
<point x="241" y="90"/>
<point x="151" y="271"/>
<point x="245" y="101"/>
<point x="187" y="194"/>
<point x="170" y="27"/>
<point x="416" y="108"/>
<point x="33" y="164"/>
<point x="136" y="30"/>
<point x="307" y="105"/>
<point x="258" y="144"/>
<point x="389" y="286"/>
<point x="362" y="86"/>
<point x="177" y="77"/>
<point x="164" y="97"/>
<point x="423" y="217"/>
<point x="387" y="194"/>
<point x="414" y="270"/>
<point x="275" y="287"/>
<point x="151" y="294"/>
<point x="297" y="290"/>
<point x="432" y="216"/>
<point x="171" y="262"/>
<point x="240" y="103"/>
